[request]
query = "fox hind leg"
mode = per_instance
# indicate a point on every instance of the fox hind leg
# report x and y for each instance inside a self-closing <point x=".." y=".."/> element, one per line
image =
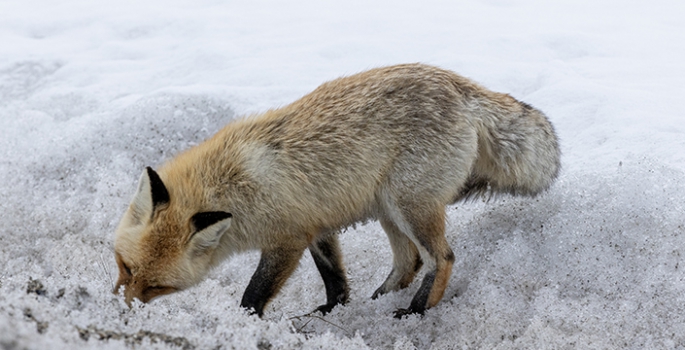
<point x="406" y="260"/>
<point x="424" y="224"/>
<point x="328" y="259"/>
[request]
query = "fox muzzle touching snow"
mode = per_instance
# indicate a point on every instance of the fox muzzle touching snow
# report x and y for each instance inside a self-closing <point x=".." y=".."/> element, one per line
<point x="394" y="144"/>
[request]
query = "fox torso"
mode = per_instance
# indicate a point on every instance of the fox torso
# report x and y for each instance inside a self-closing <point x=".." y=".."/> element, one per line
<point x="394" y="144"/>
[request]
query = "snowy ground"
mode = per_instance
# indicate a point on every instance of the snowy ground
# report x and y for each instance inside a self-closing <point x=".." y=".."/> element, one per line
<point x="91" y="92"/>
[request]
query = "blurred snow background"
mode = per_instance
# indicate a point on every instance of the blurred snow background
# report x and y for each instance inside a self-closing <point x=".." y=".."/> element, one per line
<point x="91" y="92"/>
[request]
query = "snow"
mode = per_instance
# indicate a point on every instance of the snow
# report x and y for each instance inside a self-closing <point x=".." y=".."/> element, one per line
<point x="92" y="92"/>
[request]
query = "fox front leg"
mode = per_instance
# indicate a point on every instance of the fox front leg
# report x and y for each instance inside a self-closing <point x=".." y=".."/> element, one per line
<point x="328" y="259"/>
<point x="275" y="266"/>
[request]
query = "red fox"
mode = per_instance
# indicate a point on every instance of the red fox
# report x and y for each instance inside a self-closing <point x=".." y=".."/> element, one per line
<point x="394" y="144"/>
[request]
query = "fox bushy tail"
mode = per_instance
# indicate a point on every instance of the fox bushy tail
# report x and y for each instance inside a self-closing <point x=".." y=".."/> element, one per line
<point x="518" y="150"/>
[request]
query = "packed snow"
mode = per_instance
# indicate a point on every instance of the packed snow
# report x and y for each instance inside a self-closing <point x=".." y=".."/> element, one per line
<point x="92" y="92"/>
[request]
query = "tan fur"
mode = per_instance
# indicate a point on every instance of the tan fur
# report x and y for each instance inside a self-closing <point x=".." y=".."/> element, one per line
<point x="395" y="143"/>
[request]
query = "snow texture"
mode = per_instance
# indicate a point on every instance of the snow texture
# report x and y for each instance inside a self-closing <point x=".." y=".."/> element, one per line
<point x="92" y="92"/>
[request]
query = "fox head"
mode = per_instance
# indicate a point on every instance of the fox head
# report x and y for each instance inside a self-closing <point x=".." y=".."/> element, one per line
<point x="162" y="245"/>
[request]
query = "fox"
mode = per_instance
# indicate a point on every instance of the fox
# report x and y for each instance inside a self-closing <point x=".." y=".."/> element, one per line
<point x="396" y="144"/>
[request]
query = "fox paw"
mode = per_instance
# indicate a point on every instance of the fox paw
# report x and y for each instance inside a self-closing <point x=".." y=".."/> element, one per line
<point x="380" y="291"/>
<point x="399" y="313"/>
<point x="325" y="308"/>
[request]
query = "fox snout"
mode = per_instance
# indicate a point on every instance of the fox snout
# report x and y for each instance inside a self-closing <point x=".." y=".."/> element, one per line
<point x="128" y="296"/>
<point x="136" y="287"/>
<point x="144" y="295"/>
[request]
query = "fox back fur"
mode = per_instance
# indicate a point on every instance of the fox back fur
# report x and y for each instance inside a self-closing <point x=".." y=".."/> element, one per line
<point x="396" y="144"/>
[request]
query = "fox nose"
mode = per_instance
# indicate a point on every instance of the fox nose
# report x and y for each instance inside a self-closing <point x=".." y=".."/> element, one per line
<point x="128" y="298"/>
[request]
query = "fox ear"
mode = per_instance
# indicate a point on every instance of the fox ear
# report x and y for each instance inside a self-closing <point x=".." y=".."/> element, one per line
<point x="209" y="228"/>
<point x="158" y="191"/>
<point x="151" y="194"/>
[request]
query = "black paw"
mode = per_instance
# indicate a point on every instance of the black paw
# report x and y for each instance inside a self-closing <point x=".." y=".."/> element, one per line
<point x="251" y="310"/>
<point x="325" y="308"/>
<point x="399" y="313"/>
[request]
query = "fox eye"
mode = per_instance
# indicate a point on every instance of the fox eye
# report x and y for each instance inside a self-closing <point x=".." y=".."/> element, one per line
<point x="126" y="269"/>
<point x="152" y="292"/>
<point x="122" y="265"/>
<point x="160" y="289"/>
